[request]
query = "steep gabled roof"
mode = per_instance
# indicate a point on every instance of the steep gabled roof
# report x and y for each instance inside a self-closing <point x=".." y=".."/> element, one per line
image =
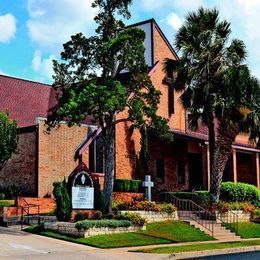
<point x="24" y="100"/>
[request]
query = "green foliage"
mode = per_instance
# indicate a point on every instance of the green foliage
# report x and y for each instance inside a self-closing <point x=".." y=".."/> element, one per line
<point x="97" y="215"/>
<point x="111" y="223"/>
<point x="124" y="185"/>
<point x="167" y="208"/>
<point x="256" y="216"/>
<point x="231" y="191"/>
<point x="200" y="197"/>
<point x="135" y="218"/>
<point x="81" y="216"/>
<point x="9" y="193"/>
<point x="144" y="205"/>
<point x="8" y="138"/>
<point x="224" y="206"/>
<point x="90" y="83"/>
<point x="63" y="201"/>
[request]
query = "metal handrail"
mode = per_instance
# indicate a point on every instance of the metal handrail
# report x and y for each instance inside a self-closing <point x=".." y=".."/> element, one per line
<point x="190" y="209"/>
<point x="26" y="209"/>
<point x="230" y="215"/>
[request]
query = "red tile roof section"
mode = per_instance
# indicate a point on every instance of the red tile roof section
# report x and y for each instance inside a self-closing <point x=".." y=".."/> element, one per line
<point x="24" y="100"/>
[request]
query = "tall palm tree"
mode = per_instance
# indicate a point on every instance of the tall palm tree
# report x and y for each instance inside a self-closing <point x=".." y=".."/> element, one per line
<point x="202" y="42"/>
<point x="236" y="107"/>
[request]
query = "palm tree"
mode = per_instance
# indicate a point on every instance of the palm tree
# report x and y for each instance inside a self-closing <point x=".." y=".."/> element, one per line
<point x="204" y="56"/>
<point x="236" y="107"/>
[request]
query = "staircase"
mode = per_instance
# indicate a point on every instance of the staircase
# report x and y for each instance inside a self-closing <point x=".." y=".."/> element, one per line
<point x="217" y="230"/>
<point x="206" y="221"/>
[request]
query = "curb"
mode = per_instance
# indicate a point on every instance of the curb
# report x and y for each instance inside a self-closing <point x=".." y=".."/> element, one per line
<point x="213" y="252"/>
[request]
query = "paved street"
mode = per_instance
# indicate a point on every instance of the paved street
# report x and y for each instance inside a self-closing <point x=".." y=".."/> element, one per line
<point x="15" y="244"/>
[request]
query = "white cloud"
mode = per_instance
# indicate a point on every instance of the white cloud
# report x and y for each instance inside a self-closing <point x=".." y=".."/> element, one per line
<point x="174" y="20"/>
<point x="7" y="28"/>
<point x="42" y="66"/>
<point x="51" y="23"/>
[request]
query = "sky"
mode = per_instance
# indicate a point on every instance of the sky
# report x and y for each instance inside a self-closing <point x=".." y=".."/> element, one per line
<point x="32" y="31"/>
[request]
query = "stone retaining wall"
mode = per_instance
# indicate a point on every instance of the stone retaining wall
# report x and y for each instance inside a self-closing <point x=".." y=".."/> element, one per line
<point x="154" y="216"/>
<point x="229" y="217"/>
<point x="69" y="229"/>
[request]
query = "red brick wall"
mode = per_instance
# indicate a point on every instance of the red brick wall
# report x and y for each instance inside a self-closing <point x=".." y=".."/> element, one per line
<point x="127" y="148"/>
<point x="20" y="170"/>
<point x="56" y="154"/>
<point x="161" y="52"/>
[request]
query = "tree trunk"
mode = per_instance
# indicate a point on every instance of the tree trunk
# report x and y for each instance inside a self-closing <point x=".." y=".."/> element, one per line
<point x="109" y="148"/>
<point x="226" y="136"/>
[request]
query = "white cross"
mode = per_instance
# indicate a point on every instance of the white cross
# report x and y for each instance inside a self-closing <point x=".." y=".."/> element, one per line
<point x="148" y="184"/>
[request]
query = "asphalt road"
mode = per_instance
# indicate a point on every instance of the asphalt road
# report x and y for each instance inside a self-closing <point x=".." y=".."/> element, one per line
<point x="15" y="244"/>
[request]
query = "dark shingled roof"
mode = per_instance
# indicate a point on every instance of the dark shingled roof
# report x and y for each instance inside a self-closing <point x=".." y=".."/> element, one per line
<point x="25" y="100"/>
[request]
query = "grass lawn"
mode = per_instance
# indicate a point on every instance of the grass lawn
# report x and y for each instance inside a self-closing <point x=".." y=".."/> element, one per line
<point x="6" y="203"/>
<point x="156" y="233"/>
<point x="248" y="230"/>
<point x="198" y="247"/>
<point x="176" y="231"/>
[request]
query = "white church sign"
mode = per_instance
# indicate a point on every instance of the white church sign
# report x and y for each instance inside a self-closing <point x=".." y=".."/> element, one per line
<point x="82" y="191"/>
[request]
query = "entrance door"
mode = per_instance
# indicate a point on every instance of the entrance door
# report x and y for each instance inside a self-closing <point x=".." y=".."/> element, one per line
<point x="195" y="171"/>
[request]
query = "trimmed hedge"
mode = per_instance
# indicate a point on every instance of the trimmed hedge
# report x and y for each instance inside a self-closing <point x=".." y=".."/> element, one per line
<point x="231" y="191"/>
<point x="124" y="185"/>
<point x="111" y="223"/>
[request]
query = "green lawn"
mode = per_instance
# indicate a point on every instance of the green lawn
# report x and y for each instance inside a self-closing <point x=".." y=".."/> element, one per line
<point x="248" y="230"/>
<point x="176" y="231"/>
<point x="198" y="247"/>
<point x="156" y="233"/>
<point x="6" y="203"/>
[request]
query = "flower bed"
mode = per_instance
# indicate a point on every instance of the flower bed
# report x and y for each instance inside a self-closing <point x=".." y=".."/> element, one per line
<point x="98" y="227"/>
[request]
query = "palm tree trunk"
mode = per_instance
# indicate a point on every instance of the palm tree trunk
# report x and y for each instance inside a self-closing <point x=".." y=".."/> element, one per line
<point x="226" y="136"/>
<point x="109" y="166"/>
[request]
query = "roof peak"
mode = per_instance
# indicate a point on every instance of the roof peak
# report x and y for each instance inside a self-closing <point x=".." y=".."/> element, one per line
<point x="27" y="80"/>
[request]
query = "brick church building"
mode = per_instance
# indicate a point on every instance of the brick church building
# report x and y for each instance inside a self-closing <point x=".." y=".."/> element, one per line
<point x="43" y="158"/>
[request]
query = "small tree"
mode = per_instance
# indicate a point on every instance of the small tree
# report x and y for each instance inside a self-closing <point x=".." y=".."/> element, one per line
<point x="8" y="138"/>
<point x="63" y="201"/>
<point x="104" y="75"/>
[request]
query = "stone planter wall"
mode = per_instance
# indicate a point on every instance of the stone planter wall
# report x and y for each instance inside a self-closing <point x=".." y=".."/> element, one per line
<point x="69" y="229"/>
<point x="154" y="216"/>
<point x="228" y="217"/>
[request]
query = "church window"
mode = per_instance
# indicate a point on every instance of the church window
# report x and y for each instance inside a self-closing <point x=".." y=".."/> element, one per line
<point x="181" y="172"/>
<point x="160" y="170"/>
<point x="96" y="156"/>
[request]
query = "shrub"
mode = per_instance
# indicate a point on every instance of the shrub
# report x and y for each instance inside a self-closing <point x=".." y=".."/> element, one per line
<point x="135" y="186"/>
<point x="231" y="191"/>
<point x="124" y="185"/>
<point x="256" y="216"/>
<point x="200" y="197"/>
<point x="135" y="218"/>
<point x="2" y="196"/>
<point x="224" y="206"/>
<point x="111" y="223"/>
<point x="167" y="208"/>
<point x="97" y="215"/>
<point x="8" y="193"/>
<point x="110" y="215"/>
<point x="81" y="216"/>
<point x="63" y="201"/>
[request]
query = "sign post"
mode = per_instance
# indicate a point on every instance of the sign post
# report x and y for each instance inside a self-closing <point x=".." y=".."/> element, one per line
<point x="82" y="191"/>
<point x="148" y="184"/>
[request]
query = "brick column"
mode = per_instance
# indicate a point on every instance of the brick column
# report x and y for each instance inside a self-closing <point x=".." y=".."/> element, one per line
<point x="208" y="166"/>
<point x="257" y="170"/>
<point x="234" y="165"/>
